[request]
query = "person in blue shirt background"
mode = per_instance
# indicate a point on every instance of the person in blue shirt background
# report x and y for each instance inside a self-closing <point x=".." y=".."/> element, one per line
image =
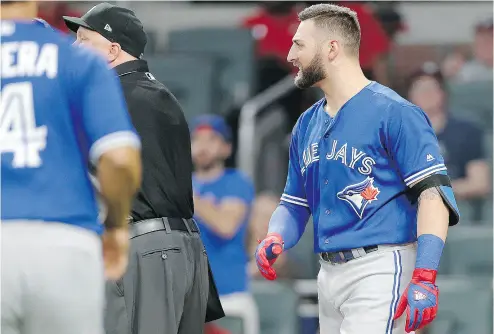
<point x="222" y="202"/>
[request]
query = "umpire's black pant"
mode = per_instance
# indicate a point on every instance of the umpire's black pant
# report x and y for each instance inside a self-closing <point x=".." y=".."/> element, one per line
<point x="165" y="289"/>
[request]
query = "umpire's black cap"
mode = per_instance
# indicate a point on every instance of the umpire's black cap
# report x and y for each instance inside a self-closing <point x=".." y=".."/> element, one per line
<point x="116" y="24"/>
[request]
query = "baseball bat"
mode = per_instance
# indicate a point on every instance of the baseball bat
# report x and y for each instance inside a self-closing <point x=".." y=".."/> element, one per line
<point x="273" y="251"/>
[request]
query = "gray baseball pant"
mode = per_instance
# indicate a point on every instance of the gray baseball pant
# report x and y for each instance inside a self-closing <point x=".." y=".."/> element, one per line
<point x="361" y="295"/>
<point x="52" y="279"/>
<point x="165" y="288"/>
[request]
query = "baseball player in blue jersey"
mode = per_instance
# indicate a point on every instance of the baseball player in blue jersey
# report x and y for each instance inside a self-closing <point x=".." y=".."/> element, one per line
<point x="365" y="163"/>
<point x="61" y="109"/>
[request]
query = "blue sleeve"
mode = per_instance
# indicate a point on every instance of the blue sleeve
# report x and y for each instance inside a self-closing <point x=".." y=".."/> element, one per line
<point x="100" y="105"/>
<point x="414" y="149"/>
<point x="291" y="216"/>
<point x="289" y="222"/>
<point x="412" y="144"/>
<point x="294" y="192"/>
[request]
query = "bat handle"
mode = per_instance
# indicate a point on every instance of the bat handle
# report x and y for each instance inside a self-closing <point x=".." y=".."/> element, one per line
<point x="273" y="251"/>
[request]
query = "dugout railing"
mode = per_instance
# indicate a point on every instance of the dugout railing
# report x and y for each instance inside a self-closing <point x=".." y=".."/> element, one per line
<point x="248" y="141"/>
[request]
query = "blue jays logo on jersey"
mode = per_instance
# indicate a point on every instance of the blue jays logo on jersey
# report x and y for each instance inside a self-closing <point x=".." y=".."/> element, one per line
<point x="359" y="195"/>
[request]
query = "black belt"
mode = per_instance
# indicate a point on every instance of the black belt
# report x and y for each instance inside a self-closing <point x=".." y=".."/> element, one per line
<point x="159" y="224"/>
<point x="347" y="255"/>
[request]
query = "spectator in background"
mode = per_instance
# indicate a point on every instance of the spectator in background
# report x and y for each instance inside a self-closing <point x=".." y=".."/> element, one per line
<point x="222" y="202"/>
<point x="480" y="67"/>
<point x="273" y="26"/>
<point x="461" y="142"/>
<point x="374" y="45"/>
<point x="53" y="12"/>
<point x="390" y="19"/>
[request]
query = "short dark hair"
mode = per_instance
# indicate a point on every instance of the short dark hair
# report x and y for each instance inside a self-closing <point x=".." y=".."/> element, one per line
<point x="336" y="19"/>
<point x="430" y="70"/>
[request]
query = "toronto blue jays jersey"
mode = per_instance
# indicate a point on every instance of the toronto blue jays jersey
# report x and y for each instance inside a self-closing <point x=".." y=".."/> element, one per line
<point x="61" y="108"/>
<point x="352" y="171"/>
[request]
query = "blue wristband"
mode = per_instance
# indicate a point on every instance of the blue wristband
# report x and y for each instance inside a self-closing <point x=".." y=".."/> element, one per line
<point x="429" y="251"/>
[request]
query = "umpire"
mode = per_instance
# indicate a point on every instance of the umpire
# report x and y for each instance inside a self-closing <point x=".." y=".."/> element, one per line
<point x="165" y="289"/>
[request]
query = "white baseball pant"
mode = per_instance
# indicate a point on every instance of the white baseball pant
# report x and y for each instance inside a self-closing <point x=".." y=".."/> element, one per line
<point x="361" y="295"/>
<point x="52" y="279"/>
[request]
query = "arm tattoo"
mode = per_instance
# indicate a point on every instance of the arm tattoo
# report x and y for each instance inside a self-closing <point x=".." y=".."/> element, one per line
<point x="429" y="194"/>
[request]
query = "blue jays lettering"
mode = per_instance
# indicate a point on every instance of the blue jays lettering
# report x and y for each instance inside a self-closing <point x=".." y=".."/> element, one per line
<point x="349" y="156"/>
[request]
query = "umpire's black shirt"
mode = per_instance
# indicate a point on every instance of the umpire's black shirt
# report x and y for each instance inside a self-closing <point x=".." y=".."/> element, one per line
<point x="166" y="189"/>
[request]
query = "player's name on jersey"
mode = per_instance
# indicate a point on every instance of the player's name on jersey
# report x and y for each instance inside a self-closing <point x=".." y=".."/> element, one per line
<point x="28" y="59"/>
<point x="347" y="155"/>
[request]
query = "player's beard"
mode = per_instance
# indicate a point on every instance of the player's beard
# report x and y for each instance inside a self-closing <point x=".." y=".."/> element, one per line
<point x="311" y="74"/>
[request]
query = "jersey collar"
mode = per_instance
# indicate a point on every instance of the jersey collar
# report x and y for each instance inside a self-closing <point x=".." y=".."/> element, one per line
<point x="132" y="67"/>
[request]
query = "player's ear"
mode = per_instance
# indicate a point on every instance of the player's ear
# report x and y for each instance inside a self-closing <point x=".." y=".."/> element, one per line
<point x="115" y="50"/>
<point x="333" y="49"/>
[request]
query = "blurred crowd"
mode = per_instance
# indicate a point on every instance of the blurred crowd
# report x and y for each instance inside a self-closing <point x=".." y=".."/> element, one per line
<point x="453" y="88"/>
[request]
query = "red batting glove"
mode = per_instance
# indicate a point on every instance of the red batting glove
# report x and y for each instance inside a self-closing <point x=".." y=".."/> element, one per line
<point x="420" y="300"/>
<point x="267" y="252"/>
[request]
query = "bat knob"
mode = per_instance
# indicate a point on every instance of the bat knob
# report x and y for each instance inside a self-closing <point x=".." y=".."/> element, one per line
<point x="276" y="249"/>
<point x="273" y="251"/>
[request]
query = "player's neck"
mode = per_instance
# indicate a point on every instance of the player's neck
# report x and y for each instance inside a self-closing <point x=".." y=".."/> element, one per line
<point x="210" y="174"/>
<point x="341" y="86"/>
<point x="19" y="11"/>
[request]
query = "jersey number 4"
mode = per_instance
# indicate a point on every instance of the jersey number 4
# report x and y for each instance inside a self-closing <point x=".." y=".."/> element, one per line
<point x="18" y="132"/>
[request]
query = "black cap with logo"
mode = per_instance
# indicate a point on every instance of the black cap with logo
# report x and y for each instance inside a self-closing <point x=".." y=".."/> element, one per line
<point x="116" y="24"/>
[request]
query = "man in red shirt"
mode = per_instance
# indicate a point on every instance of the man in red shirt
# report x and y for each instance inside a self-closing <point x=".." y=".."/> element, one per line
<point x="273" y="27"/>
<point x="374" y="45"/>
<point x="53" y="12"/>
<point x="276" y="22"/>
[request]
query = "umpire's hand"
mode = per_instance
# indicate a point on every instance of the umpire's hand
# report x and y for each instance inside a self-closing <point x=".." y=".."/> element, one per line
<point x="115" y="252"/>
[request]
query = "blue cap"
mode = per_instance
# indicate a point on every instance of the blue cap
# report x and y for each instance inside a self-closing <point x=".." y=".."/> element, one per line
<point x="212" y="122"/>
